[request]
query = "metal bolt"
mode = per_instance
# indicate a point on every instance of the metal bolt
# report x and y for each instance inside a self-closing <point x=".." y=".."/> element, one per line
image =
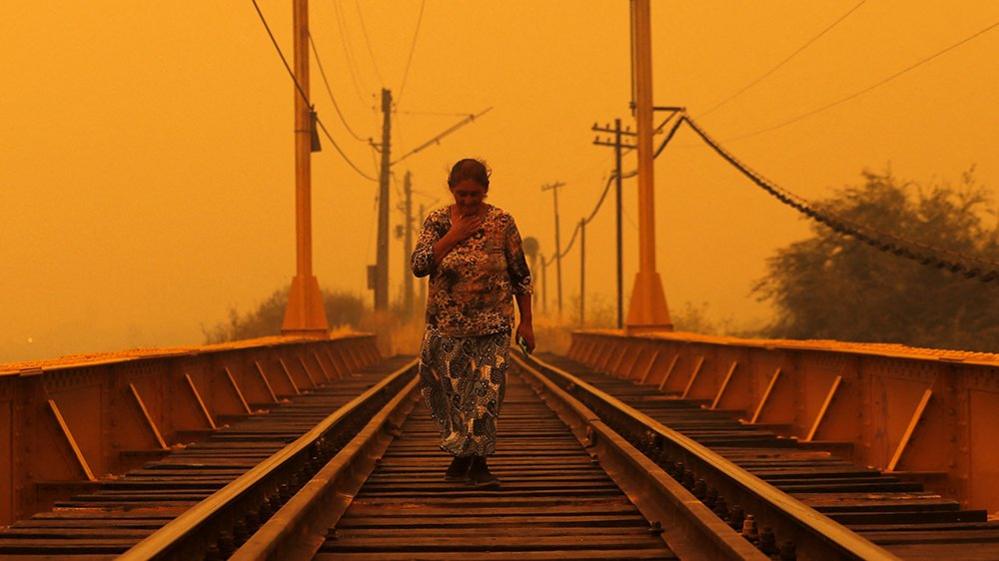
<point x="240" y="532"/>
<point x="768" y="541"/>
<point x="226" y="544"/>
<point x="688" y="479"/>
<point x="749" y="529"/>
<point x="710" y="497"/>
<point x="735" y="517"/>
<point x="213" y="554"/>
<point x="720" y="508"/>
<point x="700" y="488"/>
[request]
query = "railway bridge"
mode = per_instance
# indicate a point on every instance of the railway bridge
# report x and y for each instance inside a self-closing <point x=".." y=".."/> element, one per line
<point x="636" y="443"/>
<point x="664" y="445"/>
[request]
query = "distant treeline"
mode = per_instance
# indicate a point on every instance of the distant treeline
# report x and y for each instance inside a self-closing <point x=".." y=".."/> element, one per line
<point x="342" y="309"/>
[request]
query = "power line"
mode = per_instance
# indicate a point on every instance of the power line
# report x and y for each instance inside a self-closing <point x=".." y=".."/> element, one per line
<point x="925" y="254"/>
<point x="432" y="113"/>
<point x="412" y="49"/>
<point x="863" y="91"/>
<point x="329" y="90"/>
<point x="326" y="133"/>
<point x="367" y="41"/>
<point x="766" y="74"/>
<point x="305" y="96"/>
<point x="436" y="139"/>
<point x="662" y="146"/>
<point x="280" y="53"/>
<point x="347" y="52"/>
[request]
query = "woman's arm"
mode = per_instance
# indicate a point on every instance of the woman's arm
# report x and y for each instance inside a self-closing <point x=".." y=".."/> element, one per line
<point x="520" y="280"/>
<point x="526" y="327"/>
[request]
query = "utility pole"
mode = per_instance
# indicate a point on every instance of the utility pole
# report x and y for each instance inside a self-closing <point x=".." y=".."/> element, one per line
<point x="618" y="177"/>
<point x="381" y="261"/>
<point x="305" y="313"/>
<point x="648" y="310"/>
<point x="582" y="272"/>
<point x="554" y="187"/>
<point x="407" y="296"/>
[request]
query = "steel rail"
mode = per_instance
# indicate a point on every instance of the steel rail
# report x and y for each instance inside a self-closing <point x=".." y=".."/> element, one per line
<point x="689" y="527"/>
<point x="213" y="526"/>
<point x="298" y="529"/>
<point x="815" y="536"/>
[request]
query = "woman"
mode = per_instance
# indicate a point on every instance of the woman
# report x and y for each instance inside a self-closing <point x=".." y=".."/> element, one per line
<point x="472" y="252"/>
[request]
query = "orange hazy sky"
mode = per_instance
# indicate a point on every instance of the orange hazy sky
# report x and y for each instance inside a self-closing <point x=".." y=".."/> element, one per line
<point x="146" y="180"/>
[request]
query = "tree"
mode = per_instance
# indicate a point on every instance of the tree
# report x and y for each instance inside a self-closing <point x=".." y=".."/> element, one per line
<point x="342" y="308"/>
<point x="832" y="287"/>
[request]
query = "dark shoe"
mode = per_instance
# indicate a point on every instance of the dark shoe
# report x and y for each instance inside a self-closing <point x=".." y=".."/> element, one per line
<point x="479" y="476"/>
<point x="458" y="470"/>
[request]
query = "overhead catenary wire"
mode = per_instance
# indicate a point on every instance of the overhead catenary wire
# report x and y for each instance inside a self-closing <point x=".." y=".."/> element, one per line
<point x="867" y="89"/>
<point x="784" y="61"/>
<point x="925" y="254"/>
<point x="436" y="139"/>
<point x="367" y="42"/>
<point x="412" y="49"/>
<point x="329" y="90"/>
<point x="348" y="52"/>
<point x="662" y="146"/>
<point x="304" y="95"/>
<point x="434" y="113"/>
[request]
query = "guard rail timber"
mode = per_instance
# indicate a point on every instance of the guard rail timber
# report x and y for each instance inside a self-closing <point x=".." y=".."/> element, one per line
<point x="923" y="414"/>
<point x="67" y="423"/>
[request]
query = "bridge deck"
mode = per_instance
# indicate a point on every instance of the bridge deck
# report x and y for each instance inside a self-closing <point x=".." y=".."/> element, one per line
<point x="555" y="502"/>
<point x="123" y="511"/>
<point x="889" y="511"/>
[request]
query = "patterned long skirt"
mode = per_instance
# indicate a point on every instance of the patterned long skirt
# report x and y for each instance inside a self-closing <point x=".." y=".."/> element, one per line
<point x="463" y="380"/>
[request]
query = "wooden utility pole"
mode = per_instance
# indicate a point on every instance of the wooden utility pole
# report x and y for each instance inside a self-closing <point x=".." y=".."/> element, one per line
<point x="617" y="199"/>
<point x="305" y="313"/>
<point x="554" y="187"/>
<point x="617" y="144"/>
<point x="407" y="296"/>
<point x="648" y="310"/>
<point x="381" y="260"/>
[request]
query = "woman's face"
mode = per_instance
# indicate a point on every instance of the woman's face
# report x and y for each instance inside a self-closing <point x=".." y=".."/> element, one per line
<point x="468" y="196"/>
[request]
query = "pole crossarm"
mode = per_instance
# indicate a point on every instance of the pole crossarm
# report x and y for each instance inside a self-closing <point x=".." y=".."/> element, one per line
<point x="447" y="131"/>
<point x="600" y="142"/>
<point x="554" y="187"/>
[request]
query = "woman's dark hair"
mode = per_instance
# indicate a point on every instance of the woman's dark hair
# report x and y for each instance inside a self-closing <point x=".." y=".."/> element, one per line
<point x="469" y="168"/>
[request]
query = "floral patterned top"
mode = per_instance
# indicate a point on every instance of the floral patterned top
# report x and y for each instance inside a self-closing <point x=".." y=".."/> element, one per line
<point x="471" y="291"/>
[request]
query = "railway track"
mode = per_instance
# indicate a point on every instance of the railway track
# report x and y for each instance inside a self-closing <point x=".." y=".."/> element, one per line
<point x="592" y="467"/>
<point x="122" y="512"/>
<point x="692" y="442"/>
